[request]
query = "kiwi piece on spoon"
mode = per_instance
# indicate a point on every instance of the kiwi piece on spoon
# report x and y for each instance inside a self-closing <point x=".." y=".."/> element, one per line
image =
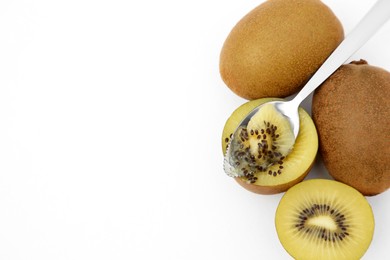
<point x="262" y="151"/>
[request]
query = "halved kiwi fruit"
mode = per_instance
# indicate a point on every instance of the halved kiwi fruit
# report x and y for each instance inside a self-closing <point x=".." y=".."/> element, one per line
<point x="324" y="219"/>
<point x="263" y="150"/>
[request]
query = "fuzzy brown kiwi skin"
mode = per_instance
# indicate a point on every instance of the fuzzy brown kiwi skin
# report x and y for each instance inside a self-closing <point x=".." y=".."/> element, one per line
<point x="275" y="48"/>
<point x="358" y="94"/>
<point x="269" y="190"/>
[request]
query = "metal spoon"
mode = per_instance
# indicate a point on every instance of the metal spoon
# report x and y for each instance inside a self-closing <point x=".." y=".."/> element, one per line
<point x="367" y="27"/>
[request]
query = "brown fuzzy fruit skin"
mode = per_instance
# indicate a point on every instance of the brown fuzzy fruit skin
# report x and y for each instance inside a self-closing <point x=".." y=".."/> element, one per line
<point x="351" y="111"/>
<point x="275" y="48"/>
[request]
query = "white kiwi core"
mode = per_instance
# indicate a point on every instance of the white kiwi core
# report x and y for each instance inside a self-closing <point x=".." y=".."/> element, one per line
<point x="322" y="221"/>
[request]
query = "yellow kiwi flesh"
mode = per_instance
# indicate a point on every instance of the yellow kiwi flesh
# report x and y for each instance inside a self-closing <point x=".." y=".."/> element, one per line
<point x="351" y="111"/>
<point x="324" y="219"/>
<point x="274" y="49"/>
<point x="285" y="172"/>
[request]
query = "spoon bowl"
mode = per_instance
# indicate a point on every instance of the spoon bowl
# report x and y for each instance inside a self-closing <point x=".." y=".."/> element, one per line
<point x="287" y="108"/>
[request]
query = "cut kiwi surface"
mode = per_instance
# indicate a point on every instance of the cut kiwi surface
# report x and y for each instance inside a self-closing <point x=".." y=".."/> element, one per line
<point x="273" y="132"/>
<point x="264" y="157"/>
<point x="324" y="219"/>
<point x="266" y="140"/>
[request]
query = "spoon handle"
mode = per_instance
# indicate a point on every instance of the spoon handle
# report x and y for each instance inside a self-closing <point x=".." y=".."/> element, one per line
<point x="366" y="28"/>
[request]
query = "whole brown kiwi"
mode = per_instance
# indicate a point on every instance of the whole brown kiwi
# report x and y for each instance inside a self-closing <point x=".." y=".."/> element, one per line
<point x="351" y="111"/>
<point x="275" y="48"/>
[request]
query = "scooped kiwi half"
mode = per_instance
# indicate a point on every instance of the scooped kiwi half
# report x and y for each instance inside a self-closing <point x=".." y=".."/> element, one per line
<point x="324" y="219"/>
<point x="269" y="165"/>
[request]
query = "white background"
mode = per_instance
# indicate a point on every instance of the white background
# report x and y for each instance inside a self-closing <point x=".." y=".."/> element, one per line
<point x="111" y="114"/>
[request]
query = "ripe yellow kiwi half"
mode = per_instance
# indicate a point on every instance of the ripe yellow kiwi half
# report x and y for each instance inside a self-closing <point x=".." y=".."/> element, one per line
<point x="291" y="169"/>
<point x="324" y="219"/>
